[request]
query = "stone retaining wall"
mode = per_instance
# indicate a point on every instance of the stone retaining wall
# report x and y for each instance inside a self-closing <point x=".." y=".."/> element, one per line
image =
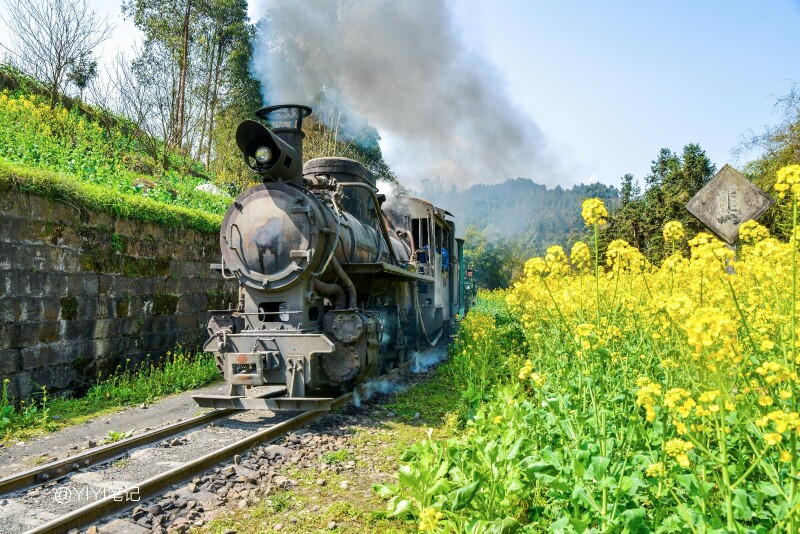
<point x="81" y="292"/>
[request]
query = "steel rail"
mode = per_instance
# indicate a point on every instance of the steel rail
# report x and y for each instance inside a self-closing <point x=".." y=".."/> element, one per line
<point x="61" y="468"/>
<point x="129" y="497"/>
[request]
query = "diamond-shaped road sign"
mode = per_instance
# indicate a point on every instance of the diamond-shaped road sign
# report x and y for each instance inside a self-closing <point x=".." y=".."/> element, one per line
<point x="727" y="201"/>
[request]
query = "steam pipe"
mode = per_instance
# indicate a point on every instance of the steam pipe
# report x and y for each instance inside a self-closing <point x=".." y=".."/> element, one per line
<point x="409" y="235"/>
<point x="351" y="289"/>
<point x="334" y="290"/>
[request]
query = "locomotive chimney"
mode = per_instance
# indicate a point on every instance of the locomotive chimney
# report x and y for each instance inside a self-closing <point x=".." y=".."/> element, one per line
<point x="273" y="147"/>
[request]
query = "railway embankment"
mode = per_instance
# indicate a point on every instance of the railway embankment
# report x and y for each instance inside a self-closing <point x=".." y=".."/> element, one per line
<point x="84" y="290"/>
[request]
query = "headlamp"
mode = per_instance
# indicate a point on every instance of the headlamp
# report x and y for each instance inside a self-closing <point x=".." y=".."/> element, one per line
<point x="263" y="155"/>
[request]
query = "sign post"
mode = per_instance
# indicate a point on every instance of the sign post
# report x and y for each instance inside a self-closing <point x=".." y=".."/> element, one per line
<point x="727" y="201"/>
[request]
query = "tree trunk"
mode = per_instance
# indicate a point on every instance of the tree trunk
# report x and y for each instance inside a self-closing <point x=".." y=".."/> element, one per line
<point x="207" y="104"/>
<point x="214" y="96"/>
<point x="181" y="111"/>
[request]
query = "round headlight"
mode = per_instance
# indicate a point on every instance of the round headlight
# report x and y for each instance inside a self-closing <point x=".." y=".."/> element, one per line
<point x="263" y="155"/>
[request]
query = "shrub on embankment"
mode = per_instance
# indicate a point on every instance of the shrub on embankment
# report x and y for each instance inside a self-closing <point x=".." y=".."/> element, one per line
<point x="642" y="399"/>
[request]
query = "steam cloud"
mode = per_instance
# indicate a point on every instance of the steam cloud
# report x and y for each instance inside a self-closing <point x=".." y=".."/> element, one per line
<point x="401" y="65"/>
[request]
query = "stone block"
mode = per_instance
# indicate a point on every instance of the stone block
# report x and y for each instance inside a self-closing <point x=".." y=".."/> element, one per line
<point x="74" y="284"/>
<point x="20" y="386"/>
<point x="129" y="326"/>
<point x="16" y="283"/>
<point x="153" y="341"/>
<point x="102" y="347"/>
<point x="49" y="331"/>
<point x="121" y="285"/>
<point x="18" y="335"/>
<point x="105" y="328"/>
<point x="51" y="308"/>
<point x="10" y="362"/>
<point x="104" y="283"/>
<point x="78" y="350"/>
<point x="31" y="309"/>
<point x="43" y="356"/>
<point x="37" y="284"/>
<point x="56" y="285"/>
<point x="105" y="307"/>
<point x="11" y="310"/>
<point x="186" y="321"/>
<point x="91" y="284"/>
<point x="55" y="377"/>
<point x="87" y="307"/>
<point x="193" y="303"/>
<point x="70" y="260"/>
<point x="78" y="329"/>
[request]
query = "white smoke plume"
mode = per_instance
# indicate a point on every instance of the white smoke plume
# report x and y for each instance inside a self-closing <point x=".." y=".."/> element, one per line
<point x="370" y="388"/>
<point x="422" y="361"/>
<point x="427" y="359"/>
<point x="402" y="66"/>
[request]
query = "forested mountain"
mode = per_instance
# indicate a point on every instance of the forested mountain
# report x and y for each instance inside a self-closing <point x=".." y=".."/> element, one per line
<point x="535" y="216"/>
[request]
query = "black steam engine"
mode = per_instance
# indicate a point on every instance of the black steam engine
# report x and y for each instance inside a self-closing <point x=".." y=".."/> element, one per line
<point x="335" y="284"/>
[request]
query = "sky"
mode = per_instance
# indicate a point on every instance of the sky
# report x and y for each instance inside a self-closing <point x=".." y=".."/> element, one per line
<point x="611" y="83"/>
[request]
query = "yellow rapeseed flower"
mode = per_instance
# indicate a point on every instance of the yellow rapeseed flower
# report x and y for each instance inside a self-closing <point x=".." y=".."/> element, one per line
<point x="429" y="519"/>
<point x="594" y="211"/>
<point x="673" y="232"/>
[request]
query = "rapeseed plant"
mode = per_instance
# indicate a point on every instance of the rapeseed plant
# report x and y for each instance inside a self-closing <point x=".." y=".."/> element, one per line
<point x="670" y="398"/>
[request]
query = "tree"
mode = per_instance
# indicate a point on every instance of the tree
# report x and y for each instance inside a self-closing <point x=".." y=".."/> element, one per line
<point x="82" y="72"/>
<point x="779" y="146"/>
<point x="492" y="260"/>
<point x="673" y="180"/>
<point x="142" y="89"/>
<point x="49" y="37"/>
<point x="168" y="23"/>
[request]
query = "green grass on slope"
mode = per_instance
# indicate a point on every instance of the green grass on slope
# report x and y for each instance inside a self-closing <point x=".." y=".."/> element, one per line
<point x="99" y="198"/>
<point x="109" y="156"/>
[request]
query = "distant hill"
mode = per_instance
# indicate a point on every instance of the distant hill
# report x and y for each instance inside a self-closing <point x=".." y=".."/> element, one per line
<point x="530" y="213"/>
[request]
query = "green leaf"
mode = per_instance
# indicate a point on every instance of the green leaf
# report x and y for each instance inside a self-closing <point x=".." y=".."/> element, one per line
<point x="462" y="496"/>
<point x="400" y="508"/>
<point x="741" y="504"/>
<point x="440" y="486"/>
<point x="581" y="497"/>
<point x="408" y="476"/>
<point x="506" y="525"/>
<point x="635" y="520"/>
<point x="442" y="471"/>
<point x="599" y="465"/>
<point x="516" y="449"/>
<point x="383" y="490"/>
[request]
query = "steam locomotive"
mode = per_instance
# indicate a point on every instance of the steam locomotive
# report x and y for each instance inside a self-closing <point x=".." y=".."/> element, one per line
<point x="336" y="285"/>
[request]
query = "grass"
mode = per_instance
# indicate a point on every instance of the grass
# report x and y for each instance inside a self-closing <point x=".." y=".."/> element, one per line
<point x="127" y="387"/>
<point x="98" y="198"/>
<point x="95" y="161"/>
<point x="340" y="456"/>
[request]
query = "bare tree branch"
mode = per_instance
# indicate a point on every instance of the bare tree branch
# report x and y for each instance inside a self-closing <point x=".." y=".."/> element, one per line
<point x="49" y="36"/>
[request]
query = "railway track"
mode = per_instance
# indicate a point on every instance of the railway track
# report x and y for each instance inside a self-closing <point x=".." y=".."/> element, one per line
<point x="59" y="469"/>
<point x="135" y="493"/>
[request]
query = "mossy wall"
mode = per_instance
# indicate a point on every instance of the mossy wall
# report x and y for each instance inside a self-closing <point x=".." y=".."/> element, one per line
<point x="82" y="292"/>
